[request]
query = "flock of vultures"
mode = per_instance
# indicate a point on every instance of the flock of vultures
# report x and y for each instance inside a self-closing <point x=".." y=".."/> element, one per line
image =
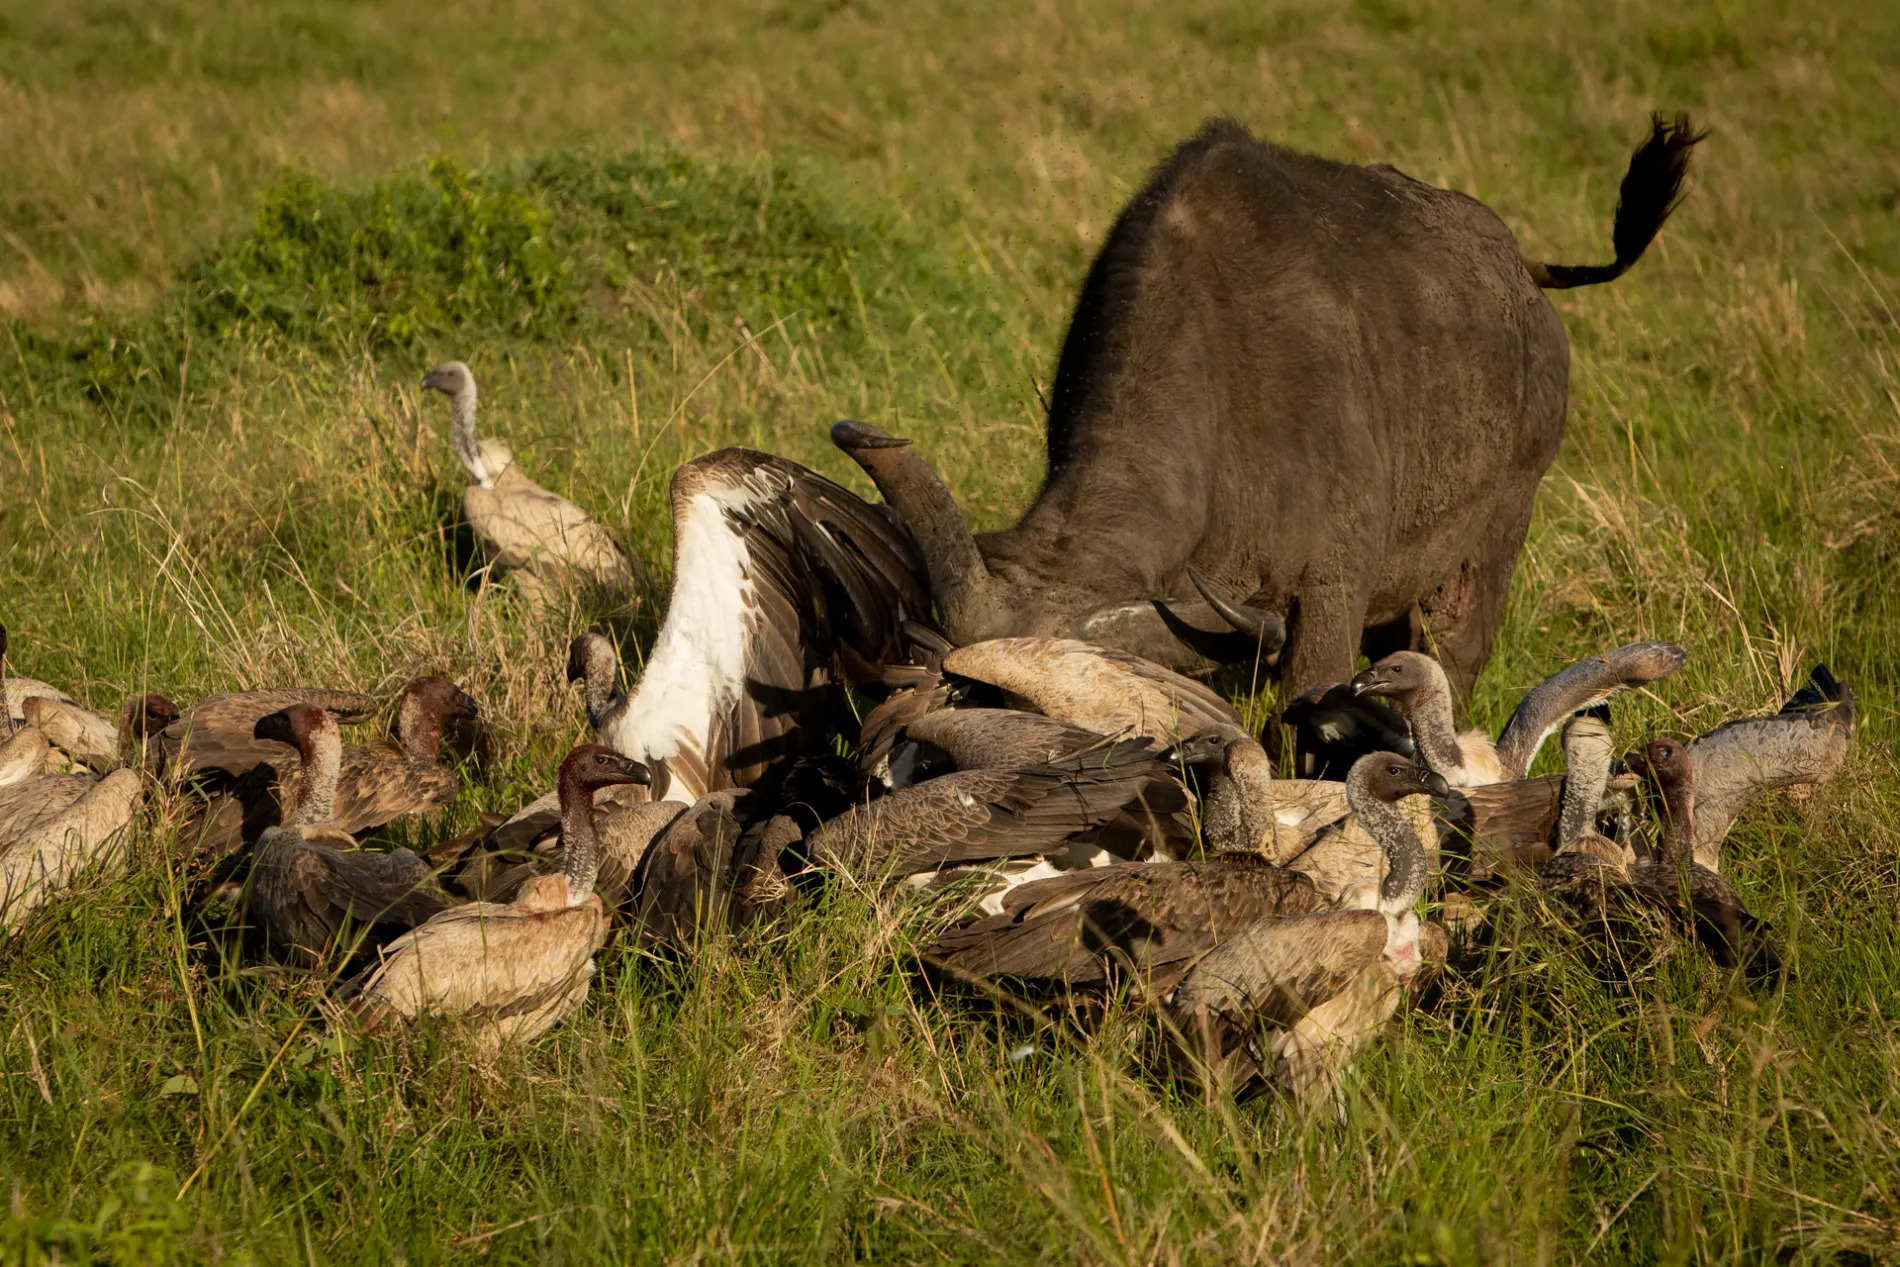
<point x="1060" y="816"/>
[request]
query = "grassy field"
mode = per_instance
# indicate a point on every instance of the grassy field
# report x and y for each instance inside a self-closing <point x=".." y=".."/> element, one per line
<point x="233" y="237"/>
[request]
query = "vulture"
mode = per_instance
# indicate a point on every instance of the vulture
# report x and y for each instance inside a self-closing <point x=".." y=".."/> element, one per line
<point x="623" y="829"/>
<point x="917" y="726"/>
<point x="1245" y="809"/>
<point x="593" y="662"/>
<point x="1323" y="983"/>
<point x="96" y="742"/>
<point x="1156" y="919"/>
<point x="1688" y="894"/>
<point x="309" y="875"/>
<point x="251" y="783"/>
<point x="1417" y="683"/>
<point x="1111" y="693"/>
<point x="509" y="971"/>
<point x="217" y="736"/>
<point x="1516" y="824"/>
<point x="1353" y="853"/>
<point x="542" y="538"/>
<point x="786" y="587"/>
<point x="52" y="827"/>
<point x="708" y="873"/>
<point x="1805" y="743"/>
<point x="1587" y="865"/>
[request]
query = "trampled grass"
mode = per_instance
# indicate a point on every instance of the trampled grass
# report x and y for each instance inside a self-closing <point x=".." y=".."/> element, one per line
<point x="232" y="238"/>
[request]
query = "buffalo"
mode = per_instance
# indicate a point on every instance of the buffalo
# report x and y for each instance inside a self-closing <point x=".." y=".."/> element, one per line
<point x="1300" y="402"/>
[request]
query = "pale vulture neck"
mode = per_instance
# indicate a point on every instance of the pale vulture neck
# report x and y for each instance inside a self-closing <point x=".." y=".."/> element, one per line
<point x="580" y="849"/>
<point x="1432" y="727"/>
<point x="1243" y="793"/>
<point x="1406" y="868"/>
<point x="468" y="449"/>
<point x="600" y="682"/>
<point x="1678" y="798"/>
<point x="418" y="729"/>
<point x="1587" y="775"/>
<point x="321" y="754"/>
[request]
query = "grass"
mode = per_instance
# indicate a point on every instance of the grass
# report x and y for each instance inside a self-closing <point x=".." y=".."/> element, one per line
<point x="232" y="238"/>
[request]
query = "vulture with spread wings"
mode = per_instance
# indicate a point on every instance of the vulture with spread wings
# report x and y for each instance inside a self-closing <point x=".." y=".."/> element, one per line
<point x="786" y="587"/>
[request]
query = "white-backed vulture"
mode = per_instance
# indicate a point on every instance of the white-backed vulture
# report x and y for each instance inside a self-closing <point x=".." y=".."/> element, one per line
<point x="543" y="538"/>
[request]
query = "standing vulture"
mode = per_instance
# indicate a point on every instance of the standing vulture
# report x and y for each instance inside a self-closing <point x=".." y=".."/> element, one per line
<point x="541" y="537"/>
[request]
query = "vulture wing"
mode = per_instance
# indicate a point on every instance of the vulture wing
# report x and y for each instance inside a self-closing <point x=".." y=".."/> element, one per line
<point x="1109" y="692"/>
<point x="1155" y="917"/>
<point x="1806" y="742"/>
<point x="917" y="693"/>
<point x="1000" y="738"/>
<point x="1576" y="687"/>
<point x="518" y="970"/>
<point x="22" y="756"/>
<point x="373" y="789"/>
<point x="306" y="882"/>
<point x="18" y="690"/>
<point x="83" y="735"/>
<point x="784" y="584"/>
<point x="30" y="804"/>
<point x="1274" y="972"/>
<point x="53" y="827"/>
<point x="685" y="882"/>
<point x="216" y="734"/>
<point x="983" y="815"/>
<point x="523" y="525"/>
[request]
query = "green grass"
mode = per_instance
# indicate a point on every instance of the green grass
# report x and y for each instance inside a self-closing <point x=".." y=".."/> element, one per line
<point x="232" y="238"/>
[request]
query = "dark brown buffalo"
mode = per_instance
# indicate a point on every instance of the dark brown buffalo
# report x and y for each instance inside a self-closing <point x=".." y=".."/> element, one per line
<point x="1330" y="388"/>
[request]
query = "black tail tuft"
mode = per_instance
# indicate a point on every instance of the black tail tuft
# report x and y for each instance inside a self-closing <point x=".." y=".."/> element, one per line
<point x="1652" y="189"/>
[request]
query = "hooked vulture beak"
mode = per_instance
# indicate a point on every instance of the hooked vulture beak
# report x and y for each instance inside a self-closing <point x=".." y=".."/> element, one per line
<point x="1436" y="785"/>
<point x="1205" y="748"/>
<point x="1364" y="682"/>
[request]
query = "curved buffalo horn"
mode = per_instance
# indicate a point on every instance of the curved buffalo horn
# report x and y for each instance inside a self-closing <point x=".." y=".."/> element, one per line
<point x="1264" y="627"/>
<point x="959" y="579"/>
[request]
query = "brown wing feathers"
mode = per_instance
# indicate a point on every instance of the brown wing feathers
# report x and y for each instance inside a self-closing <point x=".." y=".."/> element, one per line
<point x="833" y="580"/>
<point x="1155" y="916"/>
<point x="980" y="815"/>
